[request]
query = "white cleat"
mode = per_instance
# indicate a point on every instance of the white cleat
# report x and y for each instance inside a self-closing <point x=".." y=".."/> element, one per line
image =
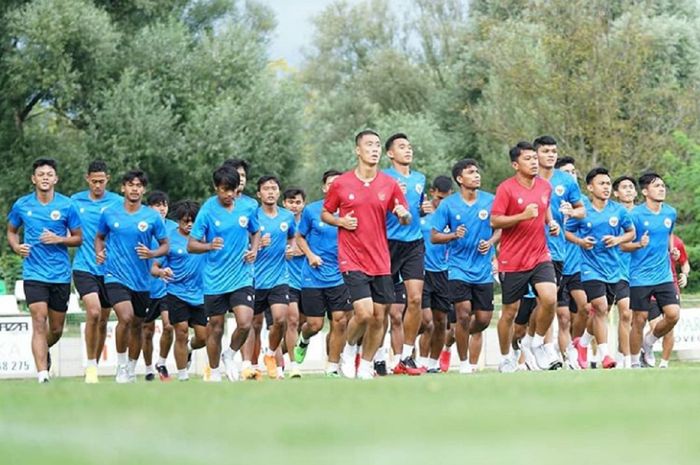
<point x="530" y="361"/>
<point x="545" y="359"/>
<point x="647" y="358"/>
<point x="230" y="368"/>
<point x="508" y="365"/>
<point x="214" y="377"/>
<point x="365" y="374"/>
<point x="347" y="367"/>
<point x="123" y="375"/>
<point x="572" y="358"/>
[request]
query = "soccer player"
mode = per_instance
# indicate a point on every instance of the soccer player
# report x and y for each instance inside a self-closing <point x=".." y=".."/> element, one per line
<point x="221" y="231"/>
<point x="277" y="227"/>
<point x="521" y="209"/>
<point x="363" y="197"/>
<point x="323" y="290"/>
<point x="158" y="200"/>
<point x="606" y="226"/>
<point x="120" y="243"/>
<point x="650" y="267"/>
<point x="242" y="168"/>
<point x="185" y="295"/>
<point x="88" y="276"/>
<point x="406" y="246"/>
<point x="51" y="225"/>
<point x="470" y="245"/>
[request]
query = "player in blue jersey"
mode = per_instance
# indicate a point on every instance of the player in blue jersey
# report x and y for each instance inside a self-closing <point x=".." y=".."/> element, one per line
<point x="51" y="224"/>
<point x="88" y="276"/>
<point x="227" y="232"/>
<point x="406" y="248"/>
<point x="323" y="290"/>
<point x="242" y="168"/>
<point x="605" y="227"/>
<point x="158" y="200"/>
<point x="650" y="266"/>
<point x="122" y="242"/>
<point x="185" y="295"/>
<point x="470" y="247"/>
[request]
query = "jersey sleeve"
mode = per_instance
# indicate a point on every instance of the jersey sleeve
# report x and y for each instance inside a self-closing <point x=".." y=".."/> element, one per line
<point x="500" y="201"/>
<point x="305" y="223"/>
<point x="253" y="222"/>
<point x="332" y="200"/>
<point x="572" y="225"/>
<point x="200" y="226"/>
<point x="440" y="218"/>
<point x="292" y="230"/>
<point x="73" y="219"/>
<point x="397" y="196"/>
<point x="574" y="192"/>
<point x="15" y="217"/>
<point x="103" y="225"/>
<point x="678" y="243"/>
<point x="625" y="220"/>
<point x="159" y="231"/>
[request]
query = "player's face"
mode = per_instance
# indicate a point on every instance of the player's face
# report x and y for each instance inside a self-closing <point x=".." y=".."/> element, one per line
<point x="133" y="190"/>
<point x="295" y="204"/>
<point x="269" y="193"/>
<point x="401" y="152"/>
<point x="436" y="196"/>
<point x="226" y="195"/>
<point x="327" y="185"/>
<point x="547" y="156"/>
<point x="44" y="178"/>
<point x="185" y="225"/>
<point x="656" y="191"/>
<point x="161" y="208"/>
<point x="243" y="177"/>
<point x="369" y="149"/>
<point x="97" y="183"/>
<point x="527" y="163"/>
<point x="569" y="169"/>
<point x="626" y="192"/>
<point x="470" y="177"/>
<point x="600" y="187"/>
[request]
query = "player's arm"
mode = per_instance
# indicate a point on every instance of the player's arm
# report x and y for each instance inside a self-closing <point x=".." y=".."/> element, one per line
<point x="495" y="237"/>
<point x="99" y="245"/>
<point x="509" y="221"/>
<point x="145" y="253"/>
<point x="197" y="246"/>
<point x="160" y="270"/>
<point x="612" y="241"/>
<point x="348" y="221"/>
<point x="437" y="237"/>
<point x="252" y="252"/>
<point x="73" y="239"/>
<point x="313" y="259"/>
<point x="632" y="246"/>
<point x="15" y="244"/>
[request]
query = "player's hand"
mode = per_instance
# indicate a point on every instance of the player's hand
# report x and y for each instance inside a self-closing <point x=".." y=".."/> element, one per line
<point x="143" y="252"/>
<point x="554" y="228"/>
<point x="265" y="240"/>
<point x="23" y="250"/>
<point x="250" y="256"/>
<point x="101" y="256"/>
<point x="610" y="241"/>
<point x="588" y="242"/>
<point x="289" y="252"/>
<point x="565" y="208"/>
<point x="315" y="261"/>
<point x="682" y="280"/>
<point x="427" y="207"/>
<point x="348" y="222"/>
<point x="399" y="210"/>
<point x="644" y="240"/>
<point x="50" y="238"/>
<point x="216" y="244"/>
<point x="460" y="231"/>
<point x="675" y="254"/>
<point x="166" y="274"/>
<point x="484" y="247"/>
<point x="531" y="211"/>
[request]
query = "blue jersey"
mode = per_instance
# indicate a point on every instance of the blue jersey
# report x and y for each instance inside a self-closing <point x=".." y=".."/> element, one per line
<point x="601" y="263"/>
<point x="226" y="269"/>
<point x="158" y="289"/>
<point x="295" y="265"/>
<point x="188" y="270"/>
<point x="271" y="263"/>
<point x="625" y="260"/>
<point x="89" y="211"/>
<point x="435" y="254"/>
<point x="322" y="239"/>
<point x="415" y="184"/>
<point x="564" y="189"/>
<point x="572" y="257"/>
<point x="124" y="231"/>
<point x="651" y="265"/>
<point x="45" y="263"/>
<point x="465" y="262"/>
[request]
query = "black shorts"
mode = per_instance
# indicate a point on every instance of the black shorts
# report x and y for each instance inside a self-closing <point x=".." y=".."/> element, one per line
<point x="264" y="298"/>
<point x="514" y="284"/>
<point x="527" y="306"/>
<point x="87" y="283"/>
<point x="452" y="315"/>
<point x="407" y="260"/>
<point x="317" y="302"/>
<point x="558" y="271"/>
<point x="614" y="292"/>
<point x="140" y="300"/>
<point x="399" y="293"/>
<point x="361" y="286"/>
<point x="155" y="307"/>
<point x="180" y="311"/>
<point x="55" y="295"/>
<point x="480" y="295"/>
<point x="436" y="292"/>
<point x="220" y="304"/>
<point x="569" y="282"/>
<point x="665" y="294"/>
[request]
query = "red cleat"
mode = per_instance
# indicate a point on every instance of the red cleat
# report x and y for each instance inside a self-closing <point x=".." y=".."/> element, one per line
<point x="609" y="362"/>
<point x="408" y="367"/>
<point x="582" y="353"/>
<point x="445" y="356"/>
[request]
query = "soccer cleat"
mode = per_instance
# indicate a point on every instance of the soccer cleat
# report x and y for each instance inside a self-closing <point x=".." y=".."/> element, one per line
<point x="300" y="353"/>
<point x="332" y="374"/>
<point x="123" y="375"/>
<point x="44" y="381"/>
<point x="508" y="365"/>
<point x="466" y="370"/>
<point x="270" y="366"/>
<point x="434" y="371"/>
<point x="251" y="374"/>
<point x="572" y="358"/>
<point x="380" y="368"/>
<point x="295" y="373"/>
<point x="609" y="362"/>
<point x="445" y="356"/>
<point x="365" y="374"/>
<point x="545" y="359"/>
<point x="663" y="364"/>
<point x="647" y="358"/>
<point x="230" y="368"/>
<point x="347" y="367"/>
<point x="163" y="373"/>
<point x="582" y="353"/>
<point x="91" y="375"/>
<point x="189" y="359"/>
<point x="407" y="366"/>
<point x="530" y="361"/>
<point x="214" y="376"/>
<point x="150" y="376"/>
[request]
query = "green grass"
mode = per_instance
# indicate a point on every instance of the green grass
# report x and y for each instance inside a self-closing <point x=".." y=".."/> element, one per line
<point x="642" y="416"/>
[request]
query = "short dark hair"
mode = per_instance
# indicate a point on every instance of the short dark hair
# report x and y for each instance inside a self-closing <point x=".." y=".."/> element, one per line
<point x="599" y="170"/>
<point x="184" y="209"/>
<point x="361" y="134"/>
<point x="236" y="163"/>
<point x="45" y="162"/>
<point x="266" y="178"/>
<point x="157" y="198"/>
<point x="647" y="178"/>
<point x="519" y="148"/>
<point x="226" y="177"/>
<point x="544" y="140"/>
<point x="442" y="184"/>
<point x="97" y="166"/>
<point x="461" y="165"/>
<point x="330" y="173"/>
<point x="390" y="140"/>
<point x="564" y="161"/>
<point x="616" y="183"/>
<point x="135" y="174"/>
<point x="293" y="192"/>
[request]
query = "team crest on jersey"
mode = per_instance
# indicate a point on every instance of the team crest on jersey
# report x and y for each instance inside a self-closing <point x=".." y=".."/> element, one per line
<point x="82" y="210"/>
<point x="321" y="224"/>
<point x="589" y="225"/>
<point x="103" y="209"/>
<point x="180" y="251"/>
<point x="544" y="199"/>
<point x="668" y="223"/>
<point x="351" y="196"/>
<point x="446" y="230"/>
<point x="422" y="222"/>
<point x="116" y="224"/>
<point x="143" y="226"/>
<point x="520" y="201"/>
<point x="284" y="226"/>
<point x="217" y="223"/>
<point x="29" y="213"/>
<point x="382" y="196"/>
<point x="243" y="222"/>
<point x="559" y="190"/>
<point x="483" y="214"/>
<point x="55" y="215"/>
<point x="646" y="223"/>
<point x="458" y="217"/>
<point x="419" y="188"/>
<point x="613" y="221"/>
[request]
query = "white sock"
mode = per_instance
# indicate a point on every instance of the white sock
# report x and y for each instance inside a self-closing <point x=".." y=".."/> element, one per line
<point x="664" y="363"/>
<point x="149" y="369"/>
<point x="161" y="361"/>
<point x="215" y="374"/>
<point x="423" y="361"/>
<point x="42" y="375"/>
<point x="395" y="360"/>
<point x="269" y="352"/>
<point x="603" y="350"/>
<point x="182" y="374"/>
<point x="122" y="358"/>
<point x="475" y="367"/>
<point x="407" y="351"/>
<point x="506" y="357"/>
<point x="350" y="350"/>
<point x="293" y="366"/>
<point x="365" y="366"/>
<point x="635" y="359"/>
<point x="586" y="338"/>
<point x="246" y="364"/>
<point x="189" y="346"/>
<point x="433" y="363"/>
<point x="537" y="341"/>
<point x="131" y="366"/>
<point x="280" y="372"/>
<point x="332" y="367"/>
<point x="445" y="349"/>
<point x="526" y="341"/>
<point x="550" y="346"/>
<point x="627" y="361"/>
<point x="380" y="356"/>
<point x="92" y="362"/>
<point x="650" y="339"/>
<point x="229" y="353"/>
<point x="465" y="366"/>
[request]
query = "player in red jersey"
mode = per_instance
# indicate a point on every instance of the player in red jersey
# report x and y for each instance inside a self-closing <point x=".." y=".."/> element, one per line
<point x="363" y="197"/>
<point x="521" y="209"/>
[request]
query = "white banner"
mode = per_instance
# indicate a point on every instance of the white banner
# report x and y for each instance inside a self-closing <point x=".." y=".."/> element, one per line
<point x="16" y="359"/>
<point x="686" y="334"/>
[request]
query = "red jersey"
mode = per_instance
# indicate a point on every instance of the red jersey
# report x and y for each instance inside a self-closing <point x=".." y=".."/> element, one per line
<point x="365" y="249"/>
<point x="523" y="246"/>
<point x="677" y="243"/>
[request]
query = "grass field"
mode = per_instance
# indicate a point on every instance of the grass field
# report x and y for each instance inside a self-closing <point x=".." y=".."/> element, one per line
<point x="620" y="416"/>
